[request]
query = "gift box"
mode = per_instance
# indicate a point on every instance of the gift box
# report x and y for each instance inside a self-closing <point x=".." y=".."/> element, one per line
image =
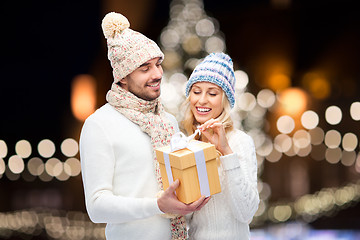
<point x="196" y="168"/>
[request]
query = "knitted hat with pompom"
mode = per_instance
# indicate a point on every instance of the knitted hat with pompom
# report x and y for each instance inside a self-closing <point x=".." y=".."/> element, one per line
<point x="127" y="49"/>
<point x="216" y="68"/>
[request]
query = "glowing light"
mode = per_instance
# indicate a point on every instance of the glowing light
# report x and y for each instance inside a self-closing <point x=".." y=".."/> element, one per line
<point x="169" y="38"/>
<point x="205" y="28"/>
<point x="293" y="101"/>
<point x="282" y="143"/>
<point x="278" y="82"/>
<point x="355" y="111"/>
<point x="23" y="148"/>
<point x="192" y="44"/>
<point x="274" y="156"/>
<point x="54" y="167"/>
<point x="301" y="139"/>
<point x="246" y="101"/>
<point x="332" y="139"/>
<point x="303" y="152"/>
<point x="266" y="98"/>
<point x="46" y="148"/>
<point x="309" y="119"/>
<point x="349" y="142"/>
<point x="357" y="164"/>
<point x="285" y="124"/>
<point x="72" y="167"/>
<point x="242" y="80"/>
<point x="172" y="60"/>
<point x="35" y="166"/>
<point x="317" y="85"/>
<point x="83" y="96"/>
<point x="3" y="149"/>
<point x="333" y="155"/>
<point x="16" y="164"/>
<point x="282" y="213"/>
<point x="69" y="147"/>
<point x="215" y="44"/>
<point x="2" y="167"/>
<point x="266" y="148"/>
<point x="348" y="158"/>
<point x="333" y="115"/>
<point x="317" y="136"/>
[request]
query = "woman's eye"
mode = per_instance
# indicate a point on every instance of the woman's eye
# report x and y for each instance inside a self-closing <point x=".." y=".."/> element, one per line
<point x="213" y="94"/>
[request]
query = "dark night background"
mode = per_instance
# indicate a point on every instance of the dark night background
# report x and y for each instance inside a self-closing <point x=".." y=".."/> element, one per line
<point x="45" y="44"/>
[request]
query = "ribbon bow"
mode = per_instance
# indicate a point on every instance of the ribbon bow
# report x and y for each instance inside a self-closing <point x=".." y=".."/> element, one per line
<point x="180" y="141"/>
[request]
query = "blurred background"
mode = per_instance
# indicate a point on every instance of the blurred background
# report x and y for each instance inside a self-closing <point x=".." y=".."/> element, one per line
<point x="297" y="69"/>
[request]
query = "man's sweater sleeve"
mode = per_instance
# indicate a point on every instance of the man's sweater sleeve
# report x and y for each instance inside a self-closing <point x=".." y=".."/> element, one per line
<point x="240" y="170"/>
<point x="98" y="164"/>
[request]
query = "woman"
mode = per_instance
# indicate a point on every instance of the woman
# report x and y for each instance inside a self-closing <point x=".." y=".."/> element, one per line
<point x="210" y="97"/>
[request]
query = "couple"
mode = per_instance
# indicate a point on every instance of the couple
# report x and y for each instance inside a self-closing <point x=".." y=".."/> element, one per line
<point x="121" y="177"/>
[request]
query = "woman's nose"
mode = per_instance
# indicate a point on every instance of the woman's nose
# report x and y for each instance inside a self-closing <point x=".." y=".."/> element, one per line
<point x="203" y="98"/>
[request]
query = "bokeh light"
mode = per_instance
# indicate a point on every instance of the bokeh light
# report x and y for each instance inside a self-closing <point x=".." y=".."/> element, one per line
<point x="16" y="164"/>
<point x="332" y="139"/>
<point x="301" y="139"/>
<point x="266" y="98"/>
<point x="3" y="149"/>
<point x="2" y="167"/>
<point x="72" y="167"/>
<point x="309" y="119"/>
<point x="242" y="80"/>
<point x="355" y="111"/>
<point x="285" y="124"/>
<point x="36" y="166"/>
<point x="293" y="101"/>
<point x="333" y="155"/>
<point x="349" y="142"/>
<point x="333" y="115"/>
<point x="83" y="96"/>
<point x="282" y="143"/>
<point x="23" y="148"/>
<point x="46" y="148"/>
<point x="69" y="147"/>
<point x="317" y="135"/>
<point x="246" y="101"/>
<point x="317" y="85"/>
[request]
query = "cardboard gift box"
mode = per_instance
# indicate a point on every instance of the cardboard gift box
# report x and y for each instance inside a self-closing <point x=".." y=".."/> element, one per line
<point x="196" y="168"/>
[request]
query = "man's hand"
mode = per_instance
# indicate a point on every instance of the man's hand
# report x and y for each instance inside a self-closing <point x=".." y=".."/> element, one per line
<point x="168" y="202"/>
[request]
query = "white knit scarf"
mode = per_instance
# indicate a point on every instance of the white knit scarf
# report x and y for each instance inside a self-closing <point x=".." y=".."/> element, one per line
<point x="150" y="116"/>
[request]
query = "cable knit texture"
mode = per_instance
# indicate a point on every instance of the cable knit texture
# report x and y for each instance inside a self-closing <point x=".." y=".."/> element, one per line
<point x="227" y="215"/>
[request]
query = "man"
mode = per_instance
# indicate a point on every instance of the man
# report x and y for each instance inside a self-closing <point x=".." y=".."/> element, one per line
<point x="120" y="172"/>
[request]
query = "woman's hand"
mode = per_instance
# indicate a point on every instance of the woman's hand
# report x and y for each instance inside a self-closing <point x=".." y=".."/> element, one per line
<point x="217" y="136"/>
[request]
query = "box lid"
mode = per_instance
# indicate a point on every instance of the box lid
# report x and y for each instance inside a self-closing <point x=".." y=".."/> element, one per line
<point x="185" y="158"/>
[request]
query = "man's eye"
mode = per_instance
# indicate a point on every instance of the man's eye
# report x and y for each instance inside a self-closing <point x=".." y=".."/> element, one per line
<point x="145" y="69"/>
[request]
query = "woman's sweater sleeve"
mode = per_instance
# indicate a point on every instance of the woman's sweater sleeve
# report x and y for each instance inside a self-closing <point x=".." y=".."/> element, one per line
<point x="240" y="169"/>
<point x="98" y="164"/>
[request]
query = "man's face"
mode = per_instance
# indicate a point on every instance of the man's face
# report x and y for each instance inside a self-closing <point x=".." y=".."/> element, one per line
<point x="145" y="81"/>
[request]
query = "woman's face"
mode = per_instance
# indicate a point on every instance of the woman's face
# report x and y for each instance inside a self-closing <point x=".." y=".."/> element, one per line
<point x="206" y="101"/>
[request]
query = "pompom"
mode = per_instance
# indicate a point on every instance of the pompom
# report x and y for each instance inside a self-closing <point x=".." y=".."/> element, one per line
<point x="114" y="23"/>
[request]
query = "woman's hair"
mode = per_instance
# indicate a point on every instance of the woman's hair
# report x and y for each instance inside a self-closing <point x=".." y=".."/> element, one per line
<point x="190" y="124"/>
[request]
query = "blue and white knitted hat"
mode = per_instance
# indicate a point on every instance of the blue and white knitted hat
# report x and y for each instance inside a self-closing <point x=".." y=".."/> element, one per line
<point x="216" y="68"/>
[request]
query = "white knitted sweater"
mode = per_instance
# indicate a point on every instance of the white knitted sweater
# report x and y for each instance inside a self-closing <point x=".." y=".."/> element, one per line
<point x="119" y="178"/>
<point x="227" y="215"/>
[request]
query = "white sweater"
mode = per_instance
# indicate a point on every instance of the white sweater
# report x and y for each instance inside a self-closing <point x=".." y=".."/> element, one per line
<point x="119" y="179"/>
<point x="227" y="215"/>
